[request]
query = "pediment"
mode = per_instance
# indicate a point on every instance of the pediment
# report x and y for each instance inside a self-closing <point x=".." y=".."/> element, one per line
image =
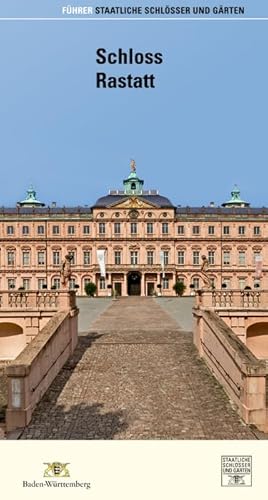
<point x="133" y="202"/>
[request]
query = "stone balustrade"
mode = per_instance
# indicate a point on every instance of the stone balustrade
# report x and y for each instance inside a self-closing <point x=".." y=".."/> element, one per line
<point x="32" y="372"/>
<point x="241" y="374"/>
<point x="240" y="309"/>
<point x="232" y="299"/>
<point x="37" y="300"/>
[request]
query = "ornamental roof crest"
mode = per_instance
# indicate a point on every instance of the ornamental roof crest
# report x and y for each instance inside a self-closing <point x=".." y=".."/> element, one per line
<point x="133" y="202"/>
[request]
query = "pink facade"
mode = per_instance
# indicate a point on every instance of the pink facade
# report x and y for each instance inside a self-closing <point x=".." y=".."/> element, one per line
<point x="149" y="243"/>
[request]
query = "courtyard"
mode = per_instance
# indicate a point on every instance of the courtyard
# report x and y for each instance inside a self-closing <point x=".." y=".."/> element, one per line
<point x="136" y="375"/>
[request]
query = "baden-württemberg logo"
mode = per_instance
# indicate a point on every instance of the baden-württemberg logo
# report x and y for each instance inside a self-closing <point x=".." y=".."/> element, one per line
<point x="56" y="469"/>
<point x="55" y="472"/>
<point x="236" y="470"/>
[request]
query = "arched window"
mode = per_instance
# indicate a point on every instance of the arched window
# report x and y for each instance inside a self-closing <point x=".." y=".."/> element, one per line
<point x="56" y="283"/>
<point x="196" y="282"/>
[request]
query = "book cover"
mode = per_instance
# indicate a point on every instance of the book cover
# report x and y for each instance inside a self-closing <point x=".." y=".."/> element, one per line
<point x="133" y="153"/>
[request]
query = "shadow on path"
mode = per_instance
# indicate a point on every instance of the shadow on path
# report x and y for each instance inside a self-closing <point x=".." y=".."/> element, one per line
<point x="81" y="421"/>
<point x="91" y="423"/>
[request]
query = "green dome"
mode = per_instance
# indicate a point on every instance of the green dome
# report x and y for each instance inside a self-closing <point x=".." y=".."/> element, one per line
<point x="132" y="175"/>
<point x="30" y="200"/>
<point x="133" y="185"/>
<point x="235" y="200"/>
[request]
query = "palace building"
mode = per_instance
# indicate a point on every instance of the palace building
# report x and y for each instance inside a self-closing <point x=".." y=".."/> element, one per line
<point x="148" y="242"/>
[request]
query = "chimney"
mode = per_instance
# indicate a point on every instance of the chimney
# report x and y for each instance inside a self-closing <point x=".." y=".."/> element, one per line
<point x="212" y="204"/>
<point x="53" y="204"/>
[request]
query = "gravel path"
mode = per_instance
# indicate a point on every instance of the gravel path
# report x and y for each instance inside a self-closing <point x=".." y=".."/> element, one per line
<point x="136" y="375"/>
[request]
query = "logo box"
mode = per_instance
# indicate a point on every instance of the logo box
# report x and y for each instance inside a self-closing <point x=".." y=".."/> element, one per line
<point x="236" y="470"/>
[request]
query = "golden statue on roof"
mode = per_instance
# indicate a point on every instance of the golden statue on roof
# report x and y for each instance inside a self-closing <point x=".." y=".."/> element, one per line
<point x="133" y="166"/>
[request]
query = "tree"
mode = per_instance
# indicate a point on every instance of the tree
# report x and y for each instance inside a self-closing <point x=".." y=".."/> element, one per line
<point x="90" y="289"/>
<point x="179" y="288"/>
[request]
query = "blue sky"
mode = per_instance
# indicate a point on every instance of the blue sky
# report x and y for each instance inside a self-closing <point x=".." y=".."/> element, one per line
<point x="201" y="130"/>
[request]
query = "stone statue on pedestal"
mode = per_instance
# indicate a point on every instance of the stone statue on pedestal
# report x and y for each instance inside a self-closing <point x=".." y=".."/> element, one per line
<point x="66" y="271"/>
<point x="204" y="273"/>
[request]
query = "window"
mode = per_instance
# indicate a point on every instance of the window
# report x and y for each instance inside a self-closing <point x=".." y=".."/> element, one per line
<point x="25" y="230"/>
<point x="212" y="281"/>
<point x="11" y="283"/>
<point x="257" y="283"/>
<point x="56" y="283"/>
<point x="256" y="256"/>
<point x="40" y="230"/>
<point x="196" y="258"/>
<point x="196" y="283"/>
<point x="241" y="258"/>
<point x="26" y="258"/>
<point x="150" y="257"/>
<point x="164" y="227"/>
<point x="117" y="228"/>
<point x="134" y="257"/>
<point x="26" y="283"/>
<point x="86" y="281"/>
<point x="196" y="230"/>
<point x="87" y="257"/>
<point x="242" y="283"/>
<point x="180" y="229"/>
<point x="226" y="282"/>
<point x="86" y="229"/>
<point x="241" y="230"/>
<point x="41" y="283"/>
<point x="150" y="228"/>
<point x="71" y="230"/>
<point x="166" y="255"/>
<point x="55" y="230"/>
<point x="211" y="230"/>
<point x="102" y="283"/>
<point x="41" y="258"/>
<point x="181" y="257"/>
<point x="133" y="227"/>
<point x="102" y="228"/>
<point x="117" y="257"/>
<point x="10" y="230"/>
<point x="72" y="284"/>
<point x="211" y="257"/>
<point x="73" y="255"/>
<point x="10" y="258"/>
<point x="226" y="258"/>
<point x="256" y="230"/>
<point x="56" y="258"/>
<point x="226" y="230"/>
<point x="181" y="279"/>
<point x="165" y="283"/>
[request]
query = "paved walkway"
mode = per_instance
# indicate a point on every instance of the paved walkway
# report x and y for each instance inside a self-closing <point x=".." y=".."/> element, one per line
<point x="135" y="375"/>
<point x="180" y="308"/>
<point x="89" y="309"/>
